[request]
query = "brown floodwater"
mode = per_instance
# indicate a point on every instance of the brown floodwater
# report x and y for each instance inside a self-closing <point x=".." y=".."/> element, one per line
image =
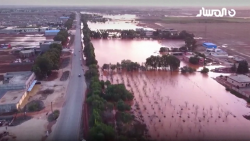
<point x="167" y="102"/>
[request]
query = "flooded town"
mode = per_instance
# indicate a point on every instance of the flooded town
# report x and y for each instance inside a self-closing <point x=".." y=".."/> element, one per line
<point x="123" y="74"/>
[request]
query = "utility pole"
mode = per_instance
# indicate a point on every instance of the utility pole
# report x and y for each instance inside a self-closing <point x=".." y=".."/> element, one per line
<point x="51" y="108"/>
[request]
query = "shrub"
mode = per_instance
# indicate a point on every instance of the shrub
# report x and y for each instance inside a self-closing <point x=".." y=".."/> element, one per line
<point x="121" y="106"/>
<point x="205" y="70"/>
<point x="53" y="116"/>
<point x="194" y="60"/>
<point x="34" y="106"/>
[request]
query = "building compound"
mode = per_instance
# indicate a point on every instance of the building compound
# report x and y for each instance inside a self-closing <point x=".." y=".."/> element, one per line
<point x="14" y="88"/>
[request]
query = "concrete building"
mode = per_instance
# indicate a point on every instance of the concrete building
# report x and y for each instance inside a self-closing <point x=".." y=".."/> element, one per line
<point x="15" y="29"/>
<point x="148" y="31"/>
<point x="27" y="53"/>
<point x="17" y="80"/>
<point x="209" y="45"/>
<point x="187" y="56"/>
<point x="14" y="88"/>
<point x="172" y="31"/>
<point x="45" y="45"/>
<point x="240" y="81"/>
<point x="51" y="32"/>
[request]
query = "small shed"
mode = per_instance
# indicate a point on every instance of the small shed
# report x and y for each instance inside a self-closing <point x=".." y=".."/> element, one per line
<point x="63" y="17"/>
<point x="210" y="45"/>
<point x="51" y="32"/>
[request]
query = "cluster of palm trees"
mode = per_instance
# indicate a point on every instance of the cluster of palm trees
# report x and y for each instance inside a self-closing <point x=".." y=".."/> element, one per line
<point x="124" y="65"/>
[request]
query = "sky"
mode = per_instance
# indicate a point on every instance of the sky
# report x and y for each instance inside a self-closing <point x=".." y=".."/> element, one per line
<point x="164" y="3"/>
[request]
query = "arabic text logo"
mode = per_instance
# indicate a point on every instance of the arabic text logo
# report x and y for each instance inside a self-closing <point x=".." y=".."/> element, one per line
<point x="216" y="12"/>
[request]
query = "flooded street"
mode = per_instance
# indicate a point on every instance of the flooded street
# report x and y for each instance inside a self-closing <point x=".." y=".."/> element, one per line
<point x="175" y="106"/>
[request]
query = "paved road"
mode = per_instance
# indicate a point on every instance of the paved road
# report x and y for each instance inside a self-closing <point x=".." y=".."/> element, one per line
<point x="68" y="124"/>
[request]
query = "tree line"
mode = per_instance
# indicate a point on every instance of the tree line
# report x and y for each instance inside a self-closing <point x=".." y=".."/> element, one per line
<point x="68" y="24"/>
<point x="164" y="61"/>
<point x="48" y="61"/>
<point x="62" y="36"/>
<point x="103" y="97"/>
<point x="190" y="42"/>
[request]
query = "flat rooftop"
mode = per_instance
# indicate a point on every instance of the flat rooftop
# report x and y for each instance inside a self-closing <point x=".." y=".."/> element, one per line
<point x="27" y="51"/>
<point x="17" y="77"/>
<point x="51" y="42"/>
<point x="11" y="96"/>
<point x="240" y="78"/>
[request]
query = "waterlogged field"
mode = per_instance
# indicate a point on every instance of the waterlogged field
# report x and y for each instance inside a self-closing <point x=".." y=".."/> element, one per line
<point x="175" y="106"/>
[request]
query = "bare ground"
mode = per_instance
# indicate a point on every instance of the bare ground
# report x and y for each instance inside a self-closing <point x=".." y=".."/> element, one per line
<point x="234" y="36"/>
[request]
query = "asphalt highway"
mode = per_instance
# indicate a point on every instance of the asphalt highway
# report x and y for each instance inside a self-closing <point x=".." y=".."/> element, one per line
<point x="67" y="127"/>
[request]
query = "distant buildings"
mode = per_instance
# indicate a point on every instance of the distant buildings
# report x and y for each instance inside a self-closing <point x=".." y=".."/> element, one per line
<point x="148" y="31"/>
<point x="239" y="80"/>
<point x="14" y="88"/>
<point x="45" y="45"/>
<point x="10" y="30"/>
<point x="172" y="31"/>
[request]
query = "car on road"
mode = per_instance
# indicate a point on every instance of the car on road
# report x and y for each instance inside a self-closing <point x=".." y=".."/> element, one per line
<point x="79" y="75"/>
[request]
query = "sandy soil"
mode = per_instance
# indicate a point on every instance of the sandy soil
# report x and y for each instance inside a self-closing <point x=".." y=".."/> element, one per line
<point x="31" y="130"/>
<point x="35" y="129"/>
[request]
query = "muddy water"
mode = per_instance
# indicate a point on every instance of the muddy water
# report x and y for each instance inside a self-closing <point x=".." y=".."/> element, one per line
<point x="136" y="50"/>
<point x="167" y="102"/>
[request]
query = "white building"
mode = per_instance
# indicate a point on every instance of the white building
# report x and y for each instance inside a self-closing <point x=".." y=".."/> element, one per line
<point x="239" y="80"/>
<point x="217" y="53"/>
<point x="149" y="32"/>
<point x="14" y="89"/>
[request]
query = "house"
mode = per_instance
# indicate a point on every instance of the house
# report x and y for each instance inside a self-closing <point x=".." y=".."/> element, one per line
<point x="215" y="52"/>
<point x="240" y="81"/>
<point x="45" y="45"/>
<point x="186" y="58"/>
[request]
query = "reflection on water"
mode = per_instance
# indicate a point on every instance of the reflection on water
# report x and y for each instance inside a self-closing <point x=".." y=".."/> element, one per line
<point x="135" y="50"/>
<point x="168" y="101"/>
